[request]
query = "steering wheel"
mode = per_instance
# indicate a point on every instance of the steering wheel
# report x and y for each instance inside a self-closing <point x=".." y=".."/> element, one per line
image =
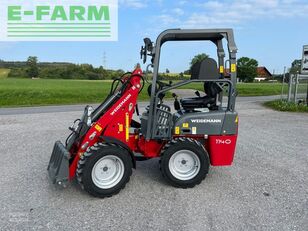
<point x="159" y="86"/>
<point x="162" y="84"/>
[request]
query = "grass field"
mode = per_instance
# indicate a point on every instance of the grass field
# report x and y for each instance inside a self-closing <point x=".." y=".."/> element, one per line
<point x="4" y="73"/>
<point x="27" y="92"/>
<point x="250" y="89"/>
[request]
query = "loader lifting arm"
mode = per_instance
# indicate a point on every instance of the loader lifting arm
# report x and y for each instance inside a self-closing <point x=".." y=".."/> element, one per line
<point x="106" y="120"/>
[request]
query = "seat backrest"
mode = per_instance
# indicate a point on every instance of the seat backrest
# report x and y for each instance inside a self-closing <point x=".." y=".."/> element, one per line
<point x="206" y="69"/>
<point x="211" y="89"/>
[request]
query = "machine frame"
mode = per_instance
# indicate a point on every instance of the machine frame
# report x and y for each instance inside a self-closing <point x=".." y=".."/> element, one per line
<point x="214" y="35"/>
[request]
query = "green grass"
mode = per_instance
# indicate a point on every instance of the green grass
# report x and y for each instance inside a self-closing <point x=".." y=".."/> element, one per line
<point x="28" y="92"/>
<point x="4" y="73"/>
<point x="282" y="105"/>
<point x="248" y="89"/>
<point x="258" y="89"/>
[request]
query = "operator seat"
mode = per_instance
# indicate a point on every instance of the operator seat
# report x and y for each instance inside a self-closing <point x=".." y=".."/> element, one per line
<point x="206" y="69"/>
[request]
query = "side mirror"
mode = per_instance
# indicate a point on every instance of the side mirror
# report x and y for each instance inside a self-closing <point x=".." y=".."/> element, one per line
<point x="197" y="93"/>
<point x="148" y="47"/>
<point x="148" y="44"/>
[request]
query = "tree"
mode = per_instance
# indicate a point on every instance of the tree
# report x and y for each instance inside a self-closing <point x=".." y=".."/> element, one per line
<point x="167" y="71"/>
<point x="197" y="58"/>
<point x="247" y="69"/>
<point x="187" y="72"/>
<point x="296" y="66"/>
<point x="32" y="69"/>
<point x="93" y="76"/>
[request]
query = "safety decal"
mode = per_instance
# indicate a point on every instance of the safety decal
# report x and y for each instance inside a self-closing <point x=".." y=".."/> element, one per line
<point x="233" y="67"/>
<point x="221" y="69"/>
<point x="98" y="128"/>
<point x="127" y="126"/>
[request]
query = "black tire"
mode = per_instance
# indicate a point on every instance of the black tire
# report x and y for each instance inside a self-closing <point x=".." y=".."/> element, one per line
<point x="184" y="144"/>
<point x="92" y="156"/>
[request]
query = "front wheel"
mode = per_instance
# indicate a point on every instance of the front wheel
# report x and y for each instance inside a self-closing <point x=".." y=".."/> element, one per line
<point x="104" y="170"/>
<point x="184" y="162"/>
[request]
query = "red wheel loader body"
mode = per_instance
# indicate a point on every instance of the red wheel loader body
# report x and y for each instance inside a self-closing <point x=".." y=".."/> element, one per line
<point x="199" y="127"/>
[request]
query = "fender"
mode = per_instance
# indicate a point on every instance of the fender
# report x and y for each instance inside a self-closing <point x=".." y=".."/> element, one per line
<point x="113" y="140"/>
<point x="73" y="165"/>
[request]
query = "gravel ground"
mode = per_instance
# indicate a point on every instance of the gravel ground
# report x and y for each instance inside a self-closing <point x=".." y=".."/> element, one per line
<point x="265" y="189"/>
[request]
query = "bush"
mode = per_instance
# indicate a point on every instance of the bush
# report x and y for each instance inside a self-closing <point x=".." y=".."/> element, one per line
<point x="173" y="76"/>
<point x="17" y="73"/>
<point x="93" y="76"/>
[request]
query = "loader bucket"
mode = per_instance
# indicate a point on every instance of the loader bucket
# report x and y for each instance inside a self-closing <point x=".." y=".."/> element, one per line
<point x="58" y="167"/>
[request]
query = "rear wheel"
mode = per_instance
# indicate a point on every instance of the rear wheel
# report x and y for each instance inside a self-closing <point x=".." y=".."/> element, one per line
<point x="184" y="162"/>
<point x="104" y="169"/>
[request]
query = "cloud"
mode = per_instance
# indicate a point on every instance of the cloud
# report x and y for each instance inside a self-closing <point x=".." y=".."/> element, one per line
<point x="160" y="2"/>
<point x="167" y="19"/>
<point x="181" y="3"/>
<point x="237" y="12"/>
<point x="234" y="13"/>
<point x="135" y="4"/>
<point x="212" y="4"/>
<point x="178" y="11"/>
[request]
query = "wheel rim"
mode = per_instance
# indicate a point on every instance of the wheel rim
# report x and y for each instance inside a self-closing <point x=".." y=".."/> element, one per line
<point x="107" y="172"/>
<point x="184" y="165"/>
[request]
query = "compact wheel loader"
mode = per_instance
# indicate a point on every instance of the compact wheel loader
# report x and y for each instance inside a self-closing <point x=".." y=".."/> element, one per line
<point x="200" y="131"/>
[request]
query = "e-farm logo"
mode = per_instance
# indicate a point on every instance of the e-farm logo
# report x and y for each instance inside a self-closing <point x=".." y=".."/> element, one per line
<point x="66" y="20"/>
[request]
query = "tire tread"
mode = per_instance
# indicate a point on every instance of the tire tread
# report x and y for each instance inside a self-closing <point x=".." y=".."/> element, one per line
<point x="182" y="141"/>
<point x="90" y="152"/>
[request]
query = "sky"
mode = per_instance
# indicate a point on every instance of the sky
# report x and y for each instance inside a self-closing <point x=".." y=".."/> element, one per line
<point x="271" y="31"/>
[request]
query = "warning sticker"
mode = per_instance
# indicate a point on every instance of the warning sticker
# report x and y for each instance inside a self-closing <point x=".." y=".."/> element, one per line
<point x="233" y="67"/>
<point x="221" y="69"/>
<point x="98" y="128"/>
<point x="185" y="125"/>
<point x="194" y="130"/>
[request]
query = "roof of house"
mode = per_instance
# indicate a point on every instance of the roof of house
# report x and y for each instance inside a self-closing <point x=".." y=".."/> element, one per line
<point x="262" y="71"/>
